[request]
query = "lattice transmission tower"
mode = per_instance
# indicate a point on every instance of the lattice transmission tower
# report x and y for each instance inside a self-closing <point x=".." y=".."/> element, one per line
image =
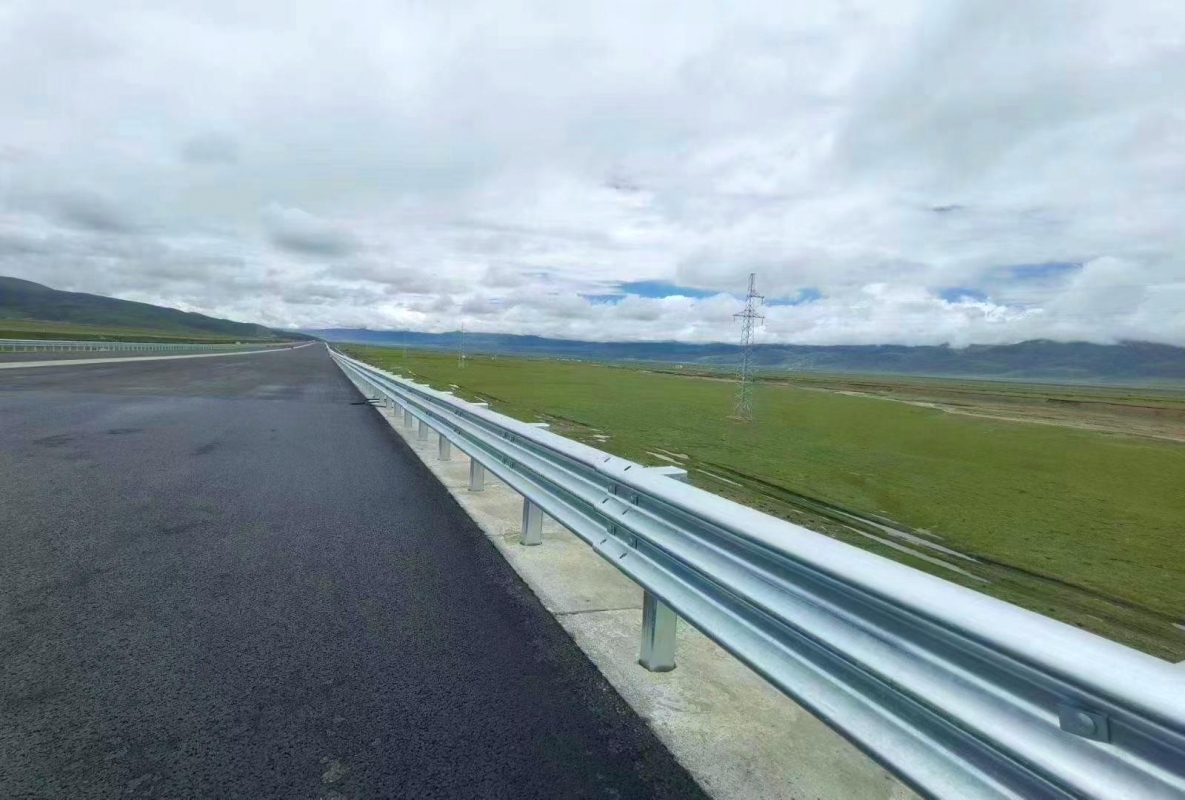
<point x="461" y="348"/>
<point x="743" y="409"/>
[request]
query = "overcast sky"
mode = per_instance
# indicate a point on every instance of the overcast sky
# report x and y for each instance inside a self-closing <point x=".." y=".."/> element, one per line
<point x="893" y="171"/>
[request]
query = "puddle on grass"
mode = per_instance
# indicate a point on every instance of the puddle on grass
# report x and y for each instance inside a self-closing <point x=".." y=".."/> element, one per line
<point x="720" y="478"/>
<point x="918" y="554"/>
<point x="661" y="457"/>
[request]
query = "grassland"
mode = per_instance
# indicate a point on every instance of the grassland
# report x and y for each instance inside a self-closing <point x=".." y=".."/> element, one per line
<point x="1078" y="523"/>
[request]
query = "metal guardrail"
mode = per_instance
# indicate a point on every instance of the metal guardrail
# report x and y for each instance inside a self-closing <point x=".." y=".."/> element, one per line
<point x="959" y="694"/>
<point x="63" y="345"/>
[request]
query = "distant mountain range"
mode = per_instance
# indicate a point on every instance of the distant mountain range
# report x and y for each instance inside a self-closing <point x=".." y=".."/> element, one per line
<point x="26" y="301"/>
<point x="1076" y="362"/>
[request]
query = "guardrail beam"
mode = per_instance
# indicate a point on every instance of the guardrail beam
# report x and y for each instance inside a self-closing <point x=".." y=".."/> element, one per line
<point x="674" y="473"/>
<point x="532" y="524"/>
<point x="958" y="693"/>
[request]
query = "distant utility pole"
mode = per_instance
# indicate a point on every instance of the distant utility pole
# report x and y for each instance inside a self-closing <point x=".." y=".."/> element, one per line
<point x="743" y="410"/>
<point x="461" y="348"/>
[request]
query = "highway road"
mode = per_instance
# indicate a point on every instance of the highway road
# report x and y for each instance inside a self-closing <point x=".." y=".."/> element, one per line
<point x="225" y="577"/>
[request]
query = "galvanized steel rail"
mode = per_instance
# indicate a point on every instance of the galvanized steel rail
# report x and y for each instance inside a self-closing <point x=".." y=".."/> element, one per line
<point x="958" y="694"/>
<point x="65" y="345"/>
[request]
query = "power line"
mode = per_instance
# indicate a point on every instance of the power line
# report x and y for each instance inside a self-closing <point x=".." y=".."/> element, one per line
<point x="743" y="408"/>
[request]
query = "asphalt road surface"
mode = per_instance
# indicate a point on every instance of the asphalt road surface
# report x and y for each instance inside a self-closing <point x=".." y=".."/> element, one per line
<point x="221" y="577"/>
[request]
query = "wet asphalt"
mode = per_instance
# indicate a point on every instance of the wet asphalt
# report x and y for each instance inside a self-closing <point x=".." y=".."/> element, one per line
<point x="224" y="578"/>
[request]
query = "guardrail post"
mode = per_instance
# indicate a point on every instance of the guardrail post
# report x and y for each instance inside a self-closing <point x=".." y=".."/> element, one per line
<point x="659" y="623"/>
<point x="532" y="524"/>
<point x="477" y="475"/>
<point x="408" y="419"/>
<point x="423" y="433"/>
<point x="445" y="450"/>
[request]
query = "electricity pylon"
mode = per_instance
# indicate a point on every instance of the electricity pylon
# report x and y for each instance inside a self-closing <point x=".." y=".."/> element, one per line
<point x="743" y="409"/>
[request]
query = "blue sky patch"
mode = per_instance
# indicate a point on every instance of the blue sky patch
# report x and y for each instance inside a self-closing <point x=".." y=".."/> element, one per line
<point x="659" y="289"/>
<point x="956" y="293"/>
<point x="1049" y="269"/>
<point x="604" y="299"/>
<point x="808" y="295"/>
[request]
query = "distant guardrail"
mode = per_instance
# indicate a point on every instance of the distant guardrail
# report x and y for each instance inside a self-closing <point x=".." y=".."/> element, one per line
<point x="67" y="345"/>
<point x="957" y="693"/>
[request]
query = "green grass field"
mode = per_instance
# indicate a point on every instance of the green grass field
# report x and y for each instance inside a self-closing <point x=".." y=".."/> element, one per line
<point x="1081" y="525"/>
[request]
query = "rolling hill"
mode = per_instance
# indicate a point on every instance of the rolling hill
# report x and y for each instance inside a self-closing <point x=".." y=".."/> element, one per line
<point x="1072" y="362"/>
<point x="31" y="310"/>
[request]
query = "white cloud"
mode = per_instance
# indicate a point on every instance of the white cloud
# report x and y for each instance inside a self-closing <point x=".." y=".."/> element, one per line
<point x="300" y="232"/>
<point x="210" y="148"/>
<point x="499" y="164"/>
